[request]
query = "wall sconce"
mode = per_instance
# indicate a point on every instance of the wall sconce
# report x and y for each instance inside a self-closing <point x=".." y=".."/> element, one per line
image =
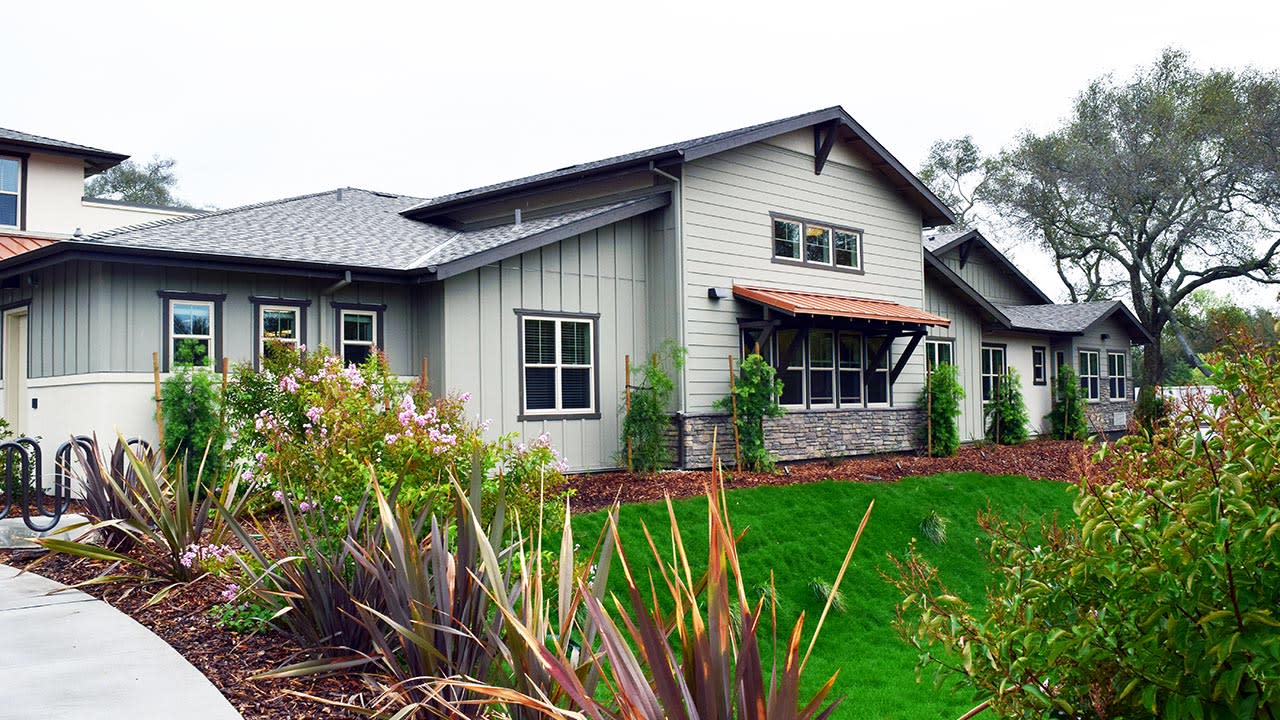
<point x="1105" y="337"/>
<point x="719" y="293"/>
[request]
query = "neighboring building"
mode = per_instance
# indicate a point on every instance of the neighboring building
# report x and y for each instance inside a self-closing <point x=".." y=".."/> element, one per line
<point x="802" y="236"/>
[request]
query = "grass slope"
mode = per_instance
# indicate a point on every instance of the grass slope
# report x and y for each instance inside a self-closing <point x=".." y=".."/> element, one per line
<point x="801" y="532"/>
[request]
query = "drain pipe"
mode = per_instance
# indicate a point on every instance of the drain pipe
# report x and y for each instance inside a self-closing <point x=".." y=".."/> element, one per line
<point x="328" y="293"/>
<point x="345" y="281"/>
<point x="678" y="220"/>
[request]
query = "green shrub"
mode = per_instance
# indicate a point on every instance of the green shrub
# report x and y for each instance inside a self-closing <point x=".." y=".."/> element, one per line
<point x="1007" y="413"/>
<point x="941" y="402"/>
<point x="646" y="423"/>
<point x="757" y="389"/>
<point x="1067" y="420"/>
<point x="1159" y="599"/>
<point x="190" y="405"/>
<point x="934" y="528"/>
<point x="1151" y="408"/>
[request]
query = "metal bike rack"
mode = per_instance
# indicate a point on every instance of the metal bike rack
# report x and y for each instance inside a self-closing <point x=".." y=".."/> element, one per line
<point x="24" y="487"/>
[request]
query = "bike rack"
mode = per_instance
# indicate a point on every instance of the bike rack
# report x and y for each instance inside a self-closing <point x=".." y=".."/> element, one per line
<point x="24" y="487"/>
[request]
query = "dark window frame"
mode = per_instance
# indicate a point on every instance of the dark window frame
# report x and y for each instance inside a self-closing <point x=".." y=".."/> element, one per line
<point x="23" y="166"/>
<point x="259" y="302"/>
<point x="832" y="228"/>
<point x="379" y="311"/>
<point x="167" y="298"/>
<point x="772" y="352"/>
<point x="1041" y="366"/>
<point x="523" y="314"/>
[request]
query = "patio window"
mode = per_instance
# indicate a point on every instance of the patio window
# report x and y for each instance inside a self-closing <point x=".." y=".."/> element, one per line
<point x="791" y="367"/>
<point x="850" y="369"/>
<point x="1089" y="374"/>
<point x="1117" y="374"/>
<point x="877" y="378"/>
<point x="558" y="360"/>
<point x="822" y="367"/>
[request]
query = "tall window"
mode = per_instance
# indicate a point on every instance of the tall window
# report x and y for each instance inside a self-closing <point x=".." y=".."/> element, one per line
<point x="359" y="333"/>
<point x="877" y="373"/>
<point x="850" y="369"/>
<point x="1089" y="374"/>
<point x="278" y="324"/>
<point x="791" y="365"/>
<point x="1117" y="373"/>
<point x="191" y="333"/>
<point x="1039" y="360"/>
<point x="993" y="367"/>
<point x="937" y="352"/>
<point x="822" y="367"/>
<point x="10" y="190"/>
<point x="817" y="244"/>
<point x="558" y="361"/>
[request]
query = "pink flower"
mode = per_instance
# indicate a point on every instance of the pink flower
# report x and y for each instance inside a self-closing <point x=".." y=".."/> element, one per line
<point x="230" y="593"/>
<point x="278" y="495"/>
<point x="289" y="384"/>
<point x="313" y="414"/>
<point x="247" y="476"/>
<point x="464" y="398"/>
<point x="391" y="438"/>
<point x="306" y="507"/>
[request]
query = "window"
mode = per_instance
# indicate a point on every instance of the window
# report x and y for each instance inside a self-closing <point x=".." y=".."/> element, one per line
<point x="791" y="367"/>
<point x="877" y="375"/>
<point x="279" y="325"/>
<point x="1117" y="374"/>
<point x="850" y="369"/>
<point x="1039" y="373"/>
<point x="1089" y="374"/>
<point x="10" y="189"/>
<point x="191" y="333"/>
<point x="558" y="365"/>
<point x="993" y="367"/>
<point x="937" y="352"/>
<point x="359" y="328"/>
<point x="822" y="244"/>
<point x="822" y="367"/>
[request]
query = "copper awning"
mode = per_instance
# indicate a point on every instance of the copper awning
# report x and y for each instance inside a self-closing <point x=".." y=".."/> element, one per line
<point x="794" y="302"/>
<point x="11" y="245"/>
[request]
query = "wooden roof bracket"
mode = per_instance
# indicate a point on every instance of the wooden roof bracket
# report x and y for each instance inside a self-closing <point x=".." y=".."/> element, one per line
<point x="905" y="356"/>
<point x="824" y="138"/>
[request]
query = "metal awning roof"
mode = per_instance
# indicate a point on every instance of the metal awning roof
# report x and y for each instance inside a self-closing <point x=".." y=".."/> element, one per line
<point x="11" y="245"/>
<point x="793" y="302"/>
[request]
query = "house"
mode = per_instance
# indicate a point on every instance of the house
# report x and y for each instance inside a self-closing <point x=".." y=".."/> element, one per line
<point x="801" y="236"/>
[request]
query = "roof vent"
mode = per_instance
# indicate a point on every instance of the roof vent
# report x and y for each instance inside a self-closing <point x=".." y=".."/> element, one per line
<point x="517" y="217"/>
<point x="78" y="233"/>
<point x="339" y="194"/>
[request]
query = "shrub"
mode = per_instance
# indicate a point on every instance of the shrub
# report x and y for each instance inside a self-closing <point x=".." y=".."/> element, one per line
<point x="1151" y="408"/>
<point x="646" y="423"/>
<point x="1158" y="600"/>
<point x="1007" y="413"/>
<point x="757" y="389"/>
<point x="941" y="402"/>
<point x="1067" y="419"/>
<point x="934" y="528"/>
<point x="190" y="406"/>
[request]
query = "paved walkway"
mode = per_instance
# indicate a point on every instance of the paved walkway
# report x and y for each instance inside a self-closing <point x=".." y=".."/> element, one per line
<point x="71" y="655"/>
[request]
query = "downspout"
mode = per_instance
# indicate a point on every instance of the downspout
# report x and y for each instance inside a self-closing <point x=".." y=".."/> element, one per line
<point x="328" y="293"/>
<point x="677" y="210"/>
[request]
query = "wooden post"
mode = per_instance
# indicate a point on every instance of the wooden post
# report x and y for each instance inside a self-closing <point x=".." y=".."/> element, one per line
<point x="626" y="383"/>
<point x="424" y="381"/>
<point x="928" y="389"/>
<point x="222" y="414"/>
<point x="733" y="397"/>
<point x="155" y="371"/>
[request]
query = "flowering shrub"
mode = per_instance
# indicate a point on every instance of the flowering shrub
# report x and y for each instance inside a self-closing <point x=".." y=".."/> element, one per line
<point x="307" y="429"/>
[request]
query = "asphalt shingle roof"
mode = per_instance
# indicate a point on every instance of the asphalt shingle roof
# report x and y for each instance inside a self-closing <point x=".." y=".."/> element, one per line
<point x="1065" y="318"/>
<point x="936" y="241"/>
<point x="350" y="227"/>
<point x="104" y="158"/>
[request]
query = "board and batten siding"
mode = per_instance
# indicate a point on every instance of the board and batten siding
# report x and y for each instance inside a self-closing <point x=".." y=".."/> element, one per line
<point x="965" y="334"/>
<point x="599" y="272"/>
<point x="726" y="202"/>
<point x="991" y="278"/>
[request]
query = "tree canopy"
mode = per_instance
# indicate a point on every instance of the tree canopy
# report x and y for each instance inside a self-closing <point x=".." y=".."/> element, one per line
<point x="152" y="183"/>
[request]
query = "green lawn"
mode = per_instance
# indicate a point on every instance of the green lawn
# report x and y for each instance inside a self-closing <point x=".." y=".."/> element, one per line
<point x="802" y="531"/>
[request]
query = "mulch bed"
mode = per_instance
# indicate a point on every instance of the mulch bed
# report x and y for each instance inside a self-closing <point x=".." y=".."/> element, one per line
<point x="1061" y="460"/>
<point x="229" y="659"/>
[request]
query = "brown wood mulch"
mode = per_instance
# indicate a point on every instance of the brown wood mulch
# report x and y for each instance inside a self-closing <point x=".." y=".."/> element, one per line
<point x="1061" y="460"/>
<point x="229" y="660"/>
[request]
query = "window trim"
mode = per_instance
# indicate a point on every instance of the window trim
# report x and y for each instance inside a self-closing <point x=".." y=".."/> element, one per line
<point x="379" y="313"/>
<point x="22" y="159"/>
<point x="1004" y="367"/>
<point x="167" y="298"/>
<point x="1097" y="363"/>
<point x="524" y="415"/>
<point x="886" y="368"/>
<point x="1042" y="365"/>
<point x="261" y="303"/>
<point x="831" y="229"/>
<point x="932" y="341"/>
<point x="1124" y="378"/>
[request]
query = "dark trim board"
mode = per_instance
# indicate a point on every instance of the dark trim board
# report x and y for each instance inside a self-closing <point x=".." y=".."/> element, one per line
<point x="166" y="299"/>
<point x="378" y="309"/>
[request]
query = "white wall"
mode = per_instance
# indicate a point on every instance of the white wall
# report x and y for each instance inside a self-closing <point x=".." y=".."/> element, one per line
<point x="1018" y="356"/>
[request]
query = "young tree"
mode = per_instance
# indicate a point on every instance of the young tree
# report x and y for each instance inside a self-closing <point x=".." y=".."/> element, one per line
<point x="1154" y="187"/>
<point x="152" y="183"/>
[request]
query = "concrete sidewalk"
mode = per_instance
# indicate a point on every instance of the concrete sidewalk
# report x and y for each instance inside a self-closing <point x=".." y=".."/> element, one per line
<point x="71" y="655"/>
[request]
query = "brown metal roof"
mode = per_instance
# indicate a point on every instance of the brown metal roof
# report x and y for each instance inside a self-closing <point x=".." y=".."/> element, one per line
<point x="793" y="302"/>
<point x="11" y="245"/>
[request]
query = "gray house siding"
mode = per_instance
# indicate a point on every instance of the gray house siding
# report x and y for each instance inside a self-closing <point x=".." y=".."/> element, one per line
<point x="991" y="278"/>
<point x="602" y="272"/>
<point x="726" y="204"/>
<point x="1108" y="413"/>
<point x="966" y="336"/>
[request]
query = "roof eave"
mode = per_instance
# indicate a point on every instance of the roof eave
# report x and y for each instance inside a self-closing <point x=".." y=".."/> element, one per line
<point x="1129" y="318"/>
<point x="95" y="162"/>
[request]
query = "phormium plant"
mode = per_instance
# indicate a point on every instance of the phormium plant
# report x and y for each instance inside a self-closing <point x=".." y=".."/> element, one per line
<point x="757" y="389"/>
<point x="646" y="423"/>
<point x="941" y="402"/>
<point x="1067" y="420"/>
<point x="1007" y="413"/>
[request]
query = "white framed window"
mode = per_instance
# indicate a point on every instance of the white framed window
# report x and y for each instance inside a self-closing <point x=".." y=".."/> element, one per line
<point x="1039" y="365"/>
<point x="822" y="368"/>
<point x="850" y="368"/>
<point x="10" y="192"/>
<point x="359" y="335"/>
<point x="877" y="375"/>
<point x="558" y="365"/>
<point x="816" y="243"/>
<point x="1117" y="376"/>
<point x="279" y="324"/>
<point x="993" y="367"/>
<point x="191" y="326"/>
<point x="1089" y="374"/>
<point x="938" y="352"/>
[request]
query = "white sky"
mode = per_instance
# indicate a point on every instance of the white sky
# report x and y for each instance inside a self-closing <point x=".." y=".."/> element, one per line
<point x="269" y="99"/>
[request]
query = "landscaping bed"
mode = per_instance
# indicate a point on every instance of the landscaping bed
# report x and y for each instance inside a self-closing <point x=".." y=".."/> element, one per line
<point x="1061" y="460"/>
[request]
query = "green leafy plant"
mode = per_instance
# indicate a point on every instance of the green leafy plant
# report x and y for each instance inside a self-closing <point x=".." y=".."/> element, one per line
<point x="191" y="353"/>
<point x="1067" y="419"/>
<point x="941" y="402"/>
<point x="1158" y="599"/>
<point x="1151" y="408"/>
<point x="1007" y="413"/>
<point x="934" y="528"/>
<point x="245" y="618"/>
<point x="645" y="425"/>
<point x="756" y="391"/>
<point x="190" y="405"/>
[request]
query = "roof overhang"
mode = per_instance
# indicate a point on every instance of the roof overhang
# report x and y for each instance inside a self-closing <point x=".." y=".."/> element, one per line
<point x="796" y="303"/>
<point x="94" y="161"/>
<point x="975" y="237"/>
<point x="933" y="263"/>
<point x="1126" y="315"/>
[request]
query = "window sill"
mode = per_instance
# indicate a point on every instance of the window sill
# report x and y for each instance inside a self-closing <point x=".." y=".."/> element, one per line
<point x="539" y="417"/>
<point x="818" y="266"/>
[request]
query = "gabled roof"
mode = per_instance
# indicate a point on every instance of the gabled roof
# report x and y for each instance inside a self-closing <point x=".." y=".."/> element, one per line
<point x="942" y="243"/>
<point x="933" y="209"/>
<point x="933" y="263"/>
<point x="794" y="302"/>
<point x="95" y="160"/>
<point x="1072" y="318"/>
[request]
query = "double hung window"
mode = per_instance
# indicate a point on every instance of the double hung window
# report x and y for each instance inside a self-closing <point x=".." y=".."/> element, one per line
<point x="1117" y="374"/>
<point x="938" y="352"/>
<point x="1089" y="374"/>
<point x="558" y="365"/>
<point x="993" y="367"/>
<point x="10" y="191"/>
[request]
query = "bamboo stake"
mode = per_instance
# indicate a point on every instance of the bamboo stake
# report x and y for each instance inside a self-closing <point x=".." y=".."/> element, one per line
<point x="733" y="396"/>
<point x="627" y="384"/>
<point x="928" y="384"/>
<point x="222" y="410"/>
<point x="155" y="371"/>
<point x="424" y="380"/>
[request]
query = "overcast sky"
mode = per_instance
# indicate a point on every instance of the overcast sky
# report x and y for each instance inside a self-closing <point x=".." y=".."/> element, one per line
<point x="266" y="99"/>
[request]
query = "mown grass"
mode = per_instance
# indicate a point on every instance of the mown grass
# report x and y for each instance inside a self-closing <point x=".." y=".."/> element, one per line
<point x="801" y="532"/>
